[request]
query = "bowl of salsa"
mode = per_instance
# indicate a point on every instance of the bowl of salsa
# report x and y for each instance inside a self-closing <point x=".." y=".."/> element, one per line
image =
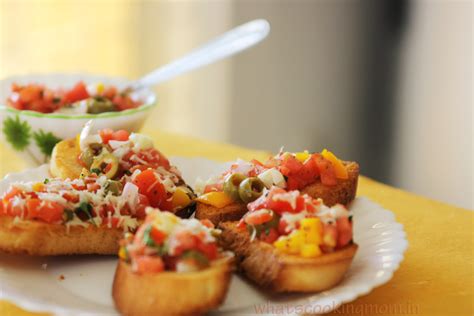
<point x="37" y="111"/>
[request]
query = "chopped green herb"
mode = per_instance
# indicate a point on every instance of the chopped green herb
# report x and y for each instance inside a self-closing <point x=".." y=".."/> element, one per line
<point x="350" y="218"/>
<point x="46" y="181"/>
<point x="96" y="171"/>
<point x="85" y="208"/>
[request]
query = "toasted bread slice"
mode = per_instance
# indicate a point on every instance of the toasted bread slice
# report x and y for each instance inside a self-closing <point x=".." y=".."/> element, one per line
<point x="231" y="212"/>
<point x="43" y="239"/>
<point x="279" y="272"/>
<point x="171" y="293"/>
<point x="64" y="163"/>
<point x="343" y="192"/>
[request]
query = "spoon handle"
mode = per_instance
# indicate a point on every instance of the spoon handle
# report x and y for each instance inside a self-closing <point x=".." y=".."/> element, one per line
<point x="228" y="44"/>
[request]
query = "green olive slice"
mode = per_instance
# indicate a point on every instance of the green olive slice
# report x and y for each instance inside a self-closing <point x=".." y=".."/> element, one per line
<point x="231" y="185"/>
<point x="115" y="187"/>
<point x="105" y="163"/>
<point x="251" y="189"/>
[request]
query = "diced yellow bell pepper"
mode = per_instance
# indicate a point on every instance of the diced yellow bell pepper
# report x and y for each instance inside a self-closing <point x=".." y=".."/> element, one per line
<point x="217" y="199"/>
<point x="38" y="186"/>
<point x="122" y="253"/>
<point x="312" y="230"/>
<point x="310" y="251"/>
<point x="302" y="156"/>
<point x="100" y="88"/>
<point x="339" y="168"/>
<point x="180" y="198"/>
<point x="281" y="243"/>
<point x="295" y="241"/>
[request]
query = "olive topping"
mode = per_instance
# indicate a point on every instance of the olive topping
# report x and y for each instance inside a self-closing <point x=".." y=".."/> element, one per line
<point x="100" y="105"/>
<point x="87" y="157"/>
<point x="251" y="189"/>
<point x="106" y="163"/>
<point x="231" y="185"/>
<point x="115" y="187"/>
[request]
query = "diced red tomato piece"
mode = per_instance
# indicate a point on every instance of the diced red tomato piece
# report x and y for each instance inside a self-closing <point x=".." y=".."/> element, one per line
<point x="208" y="249"/>
<point x="326" y="170"/>
<point x="149" y="185"/>
<point x="124" y="102"/>
<point x="47" y="211"/>
<point x="14" y="191"/>
<point x="93" y="187"/>
<point x="114" y="222"/>
<point x="207" y="223"/>
<point x="258" y="217"/>
<point x="185" y="241"/>
<point x="106" y="134"/>
<point x="149" y="264"/>
<point x="14" y="210"/>
<point x="77" y="93"/>
<point x="282" y="224"/>
<point x="109" y="92"/>
<point x="143" y="202"/>
<point x="344" y="231"/>
<point x="157" y="235"/>
<point x="120" y="135"/>
<point x="270" y="237"/>
<point x="258" y="204"/>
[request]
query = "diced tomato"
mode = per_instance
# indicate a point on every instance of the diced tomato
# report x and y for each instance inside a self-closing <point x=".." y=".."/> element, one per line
<point x="344" y="231"/>
<point x="166" y="204"/>
<point x="143" y="202"/>
<point x="14" y="210"/>
<point x="208" y="249"/>
<point x="14" y="191"/>
<point x="207" y="223"/>
<point x="258" y="204"/>
<point x="157" y="235"/>
<point x="270" y="237"/>
<point x="71" y="197"/>
<point x="185" y="241"/>
<point x="109" y="92"/>
<point x="106" y="134"/>
<point x="258" y="217"/>
<point x="77" y="93"/>
<point x="149" y="185"/>
<point x="46" y="211"/>
<point x="124" y="102"/>
<point x="291" y="164"/>
<point x="114" y="222"/>
<point x="282" y="224"/>
<point x="30" y="93"/>
<point x="93" y="187"/>
<point x="120" y="135"/>
<point x="149" y="264"/>
<point x="326" y="170"/>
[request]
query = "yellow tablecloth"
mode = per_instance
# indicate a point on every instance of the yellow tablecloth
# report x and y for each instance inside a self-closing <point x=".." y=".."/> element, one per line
<point x="436" y="277"/>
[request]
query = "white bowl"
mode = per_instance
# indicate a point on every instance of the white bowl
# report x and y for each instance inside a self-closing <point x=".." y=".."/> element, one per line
<point x="33" y="134"/>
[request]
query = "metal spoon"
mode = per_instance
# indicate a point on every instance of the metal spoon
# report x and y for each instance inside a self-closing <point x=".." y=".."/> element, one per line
<point x="228" y="44"/>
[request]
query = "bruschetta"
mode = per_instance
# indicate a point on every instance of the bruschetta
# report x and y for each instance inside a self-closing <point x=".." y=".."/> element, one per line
<point x="171" y="266"/>
<point x="87" y="215"/>
<point x="320" y="175"/>
<point x="290" y="242"/>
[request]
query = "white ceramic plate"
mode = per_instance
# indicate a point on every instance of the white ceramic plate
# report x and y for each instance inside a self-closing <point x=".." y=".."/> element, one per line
<point x="35" y="283"/>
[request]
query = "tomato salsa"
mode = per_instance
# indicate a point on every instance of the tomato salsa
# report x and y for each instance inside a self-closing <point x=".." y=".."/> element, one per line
<point x="245" y="181"/>
<point x="79" y="99"/>
<point x="297" y="224"/>
<point x="166" y="242"/>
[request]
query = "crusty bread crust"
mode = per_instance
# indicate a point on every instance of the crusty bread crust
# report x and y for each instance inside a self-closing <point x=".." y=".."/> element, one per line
<point x="171" y="293"/>
<point x="279" y="272"/>
<point x="231" y="212"/>
<point x="343" y="192"/>
<point x="64" y="162"/>
<point x="43" y="239"/>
